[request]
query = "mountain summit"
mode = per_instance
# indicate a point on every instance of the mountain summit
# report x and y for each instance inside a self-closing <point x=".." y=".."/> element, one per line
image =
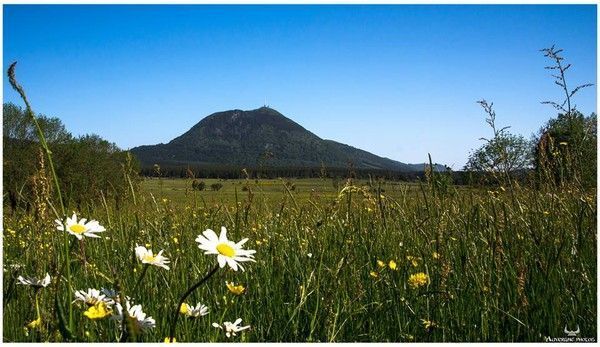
<point x="259" y="137"/>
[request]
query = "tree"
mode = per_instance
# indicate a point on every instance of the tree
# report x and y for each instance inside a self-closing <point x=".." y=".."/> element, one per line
<point x="16" y="124"/>
<point x="86" y="166"/>
<point x="566" y="145"/>
<point x="504" y="153"/>
<point x="566" y="150"/>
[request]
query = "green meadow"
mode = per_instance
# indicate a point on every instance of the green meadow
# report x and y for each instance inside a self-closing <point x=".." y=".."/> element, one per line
<point x="180" y="191"/>
<point x="366" y="261"/>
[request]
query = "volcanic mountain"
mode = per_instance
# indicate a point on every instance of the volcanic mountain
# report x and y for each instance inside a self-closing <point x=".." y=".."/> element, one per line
<point x="259" y="137"/>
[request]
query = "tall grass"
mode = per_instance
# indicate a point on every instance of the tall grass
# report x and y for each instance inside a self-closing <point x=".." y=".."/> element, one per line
<point x="501" y="267"/>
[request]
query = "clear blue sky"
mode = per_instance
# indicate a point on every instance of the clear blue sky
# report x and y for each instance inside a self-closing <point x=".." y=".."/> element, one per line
<point x="398" y="81"/>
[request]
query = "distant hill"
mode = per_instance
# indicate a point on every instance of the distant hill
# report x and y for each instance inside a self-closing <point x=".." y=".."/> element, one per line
<point x="261" y="137"/>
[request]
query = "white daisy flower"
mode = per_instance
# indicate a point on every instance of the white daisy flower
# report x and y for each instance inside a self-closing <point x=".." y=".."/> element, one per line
<point x="231" y="328"/>
<point x="147" y="257"/>
<point x="193" y="311"/>
<point x="92" y="297"/>
<point x="227" y="252"/>
<point x="80" y="228"/>
<point x="137" y="318"/>
<point x="34" y="282"/>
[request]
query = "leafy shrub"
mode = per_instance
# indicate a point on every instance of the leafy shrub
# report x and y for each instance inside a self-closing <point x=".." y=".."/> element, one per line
<point x="198" y="185"/>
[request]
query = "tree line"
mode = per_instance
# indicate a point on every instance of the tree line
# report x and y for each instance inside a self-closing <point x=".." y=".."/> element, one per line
<point x="273" y="172"/>
<point x="89" y="167"/>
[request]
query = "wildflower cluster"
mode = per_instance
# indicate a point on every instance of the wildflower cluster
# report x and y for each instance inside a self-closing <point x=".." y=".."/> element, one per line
<point x="129" y="317"/>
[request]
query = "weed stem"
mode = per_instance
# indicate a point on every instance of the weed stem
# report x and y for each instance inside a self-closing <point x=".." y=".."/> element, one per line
<point x="182" y="300"/>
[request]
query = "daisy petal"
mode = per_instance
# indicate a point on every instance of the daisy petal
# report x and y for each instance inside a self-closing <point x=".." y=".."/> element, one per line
<point x="222" y="260"/>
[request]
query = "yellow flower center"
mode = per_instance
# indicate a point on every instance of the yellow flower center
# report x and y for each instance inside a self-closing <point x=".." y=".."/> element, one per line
<point x="225" y="250"/>
<point x="184" y="309"/>
<point x="149" y="258"/>
<point x="77" y="228"/>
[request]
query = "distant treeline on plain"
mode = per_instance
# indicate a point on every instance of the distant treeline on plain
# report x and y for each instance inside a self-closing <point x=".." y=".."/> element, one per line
<point x="238" y="172"/>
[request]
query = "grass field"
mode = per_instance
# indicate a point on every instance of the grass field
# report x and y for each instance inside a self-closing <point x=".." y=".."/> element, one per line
<point x="493" y="266"/>
<point x="265" y="190"/>
<point x="396" y="262"/>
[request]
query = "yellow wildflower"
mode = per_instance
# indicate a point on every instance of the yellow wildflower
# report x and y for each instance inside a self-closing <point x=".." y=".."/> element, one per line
<point x="35" y="324"/>
<point x="374" y="274"/>
<point x="393" y="265"/>
<point x="413" y="260"/>
<point x="237" y="290"/>
<point x="175" y="240"/>
<point x="436" y="255"/>
<point x="418" y="280"/>
<point x="98" y="311"/>
<point x="428" y="324"/>
<point x="168" y="340"/>
<point x="380" y="263"/>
